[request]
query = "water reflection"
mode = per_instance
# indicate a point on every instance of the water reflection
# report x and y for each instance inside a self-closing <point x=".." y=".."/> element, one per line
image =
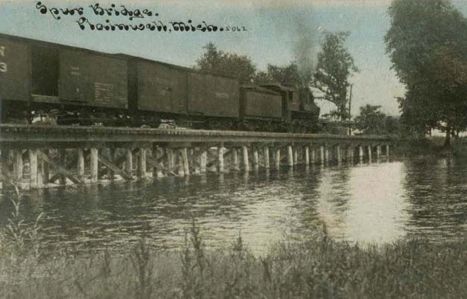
<point x="366" y="203"/>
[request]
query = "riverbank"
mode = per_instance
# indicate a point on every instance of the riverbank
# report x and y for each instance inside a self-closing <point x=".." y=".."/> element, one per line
<point x="433" y="146"/>
<point x="317" y="268"/>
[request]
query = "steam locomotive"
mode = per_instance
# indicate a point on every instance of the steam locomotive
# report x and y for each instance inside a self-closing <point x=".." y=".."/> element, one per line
<point x="68" y="85"/>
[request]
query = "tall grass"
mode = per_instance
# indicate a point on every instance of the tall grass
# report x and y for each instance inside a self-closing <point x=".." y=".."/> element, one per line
<point x="317" y="268"/>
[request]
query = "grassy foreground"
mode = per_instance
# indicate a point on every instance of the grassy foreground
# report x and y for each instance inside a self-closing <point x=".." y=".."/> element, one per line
<point x="316" y="268"/>
<point x="319" y="268"/>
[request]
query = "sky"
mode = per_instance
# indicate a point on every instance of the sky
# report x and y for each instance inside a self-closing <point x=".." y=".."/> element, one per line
<point x="277" y="31"/>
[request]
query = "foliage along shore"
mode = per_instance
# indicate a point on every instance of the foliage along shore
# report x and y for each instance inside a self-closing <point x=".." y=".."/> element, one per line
<point x="317" y="268"/>
<point x="433" y="146"/>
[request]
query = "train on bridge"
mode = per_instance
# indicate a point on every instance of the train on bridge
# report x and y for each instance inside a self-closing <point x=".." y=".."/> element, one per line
<point x="69" y="85"/>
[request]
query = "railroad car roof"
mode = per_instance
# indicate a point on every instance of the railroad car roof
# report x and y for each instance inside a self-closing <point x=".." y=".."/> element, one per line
<point x="116" y="55"/>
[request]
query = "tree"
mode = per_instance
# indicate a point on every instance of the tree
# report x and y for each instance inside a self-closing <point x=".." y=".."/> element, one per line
<point x="286" y="75"/>
<point x="372" y="121"/>
<point x="333" y="70"/>
<point x="427" y="46"/>
<point x="227" y="64"/>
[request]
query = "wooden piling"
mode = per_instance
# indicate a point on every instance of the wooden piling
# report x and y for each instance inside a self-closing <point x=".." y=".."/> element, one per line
<point x="94" y="164"/>
<point x="295" y="155"/>
<point x="369" y="154"/>
<point x="18" y="165"/>
<point x="220" y="157"/>
<point x="338" y="154"/>
<point x="33" y="169"/>
<point x="378" y="151"/>
<point x="255" y="158"/>
<point x="360" y="153"/>
<point x="350" y="153"/>
<point x="266" y="157"/>
<point x="235" y="162"/>
<point x="326" y="154"/>
<point x="185" y="161"/>
<point x="80" y="166"/>
<point x="170" y="159"/>
<point x="141" y="171"/>
<point x="178" y="162"/>
<point x="307" y="155"/>
<point x="111" y="159"/>
<point x="154" y="156"/>
<point x="313" y="155"/>
<point x="203" y="160"/>
<point x="45" y="169"/>
<point x="246" y="162"/>
<point x="290" y="160"/>
<point x="321" y="154"/>
<point x="62" y="163"/>
<point x="278" y="158"/>
<point x="129" y="162"/>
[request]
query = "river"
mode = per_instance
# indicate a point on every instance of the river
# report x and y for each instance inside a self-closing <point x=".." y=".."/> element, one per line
<point x="374" y="203"/>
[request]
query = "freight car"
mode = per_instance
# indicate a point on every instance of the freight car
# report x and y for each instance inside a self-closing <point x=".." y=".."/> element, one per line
<point x="77" y="86"/>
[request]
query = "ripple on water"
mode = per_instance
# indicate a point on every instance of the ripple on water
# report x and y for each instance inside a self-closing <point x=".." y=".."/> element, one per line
<point x="377" y="203"/>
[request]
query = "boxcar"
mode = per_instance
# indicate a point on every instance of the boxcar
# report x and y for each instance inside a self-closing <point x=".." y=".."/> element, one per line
<point x="14" y="70"/>
<point x="93" y="79"/>
<point x="161" y="87"/>
<point x="213" y="96"/>
<point x="260" y="103"/>
<point x="41" y="72"/>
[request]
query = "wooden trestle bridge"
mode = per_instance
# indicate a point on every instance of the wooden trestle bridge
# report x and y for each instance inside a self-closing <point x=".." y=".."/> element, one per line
<point x="35" y="156"/>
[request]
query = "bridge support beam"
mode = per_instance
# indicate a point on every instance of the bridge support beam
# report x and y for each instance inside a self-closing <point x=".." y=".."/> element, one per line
<point x="369" y="153"/>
